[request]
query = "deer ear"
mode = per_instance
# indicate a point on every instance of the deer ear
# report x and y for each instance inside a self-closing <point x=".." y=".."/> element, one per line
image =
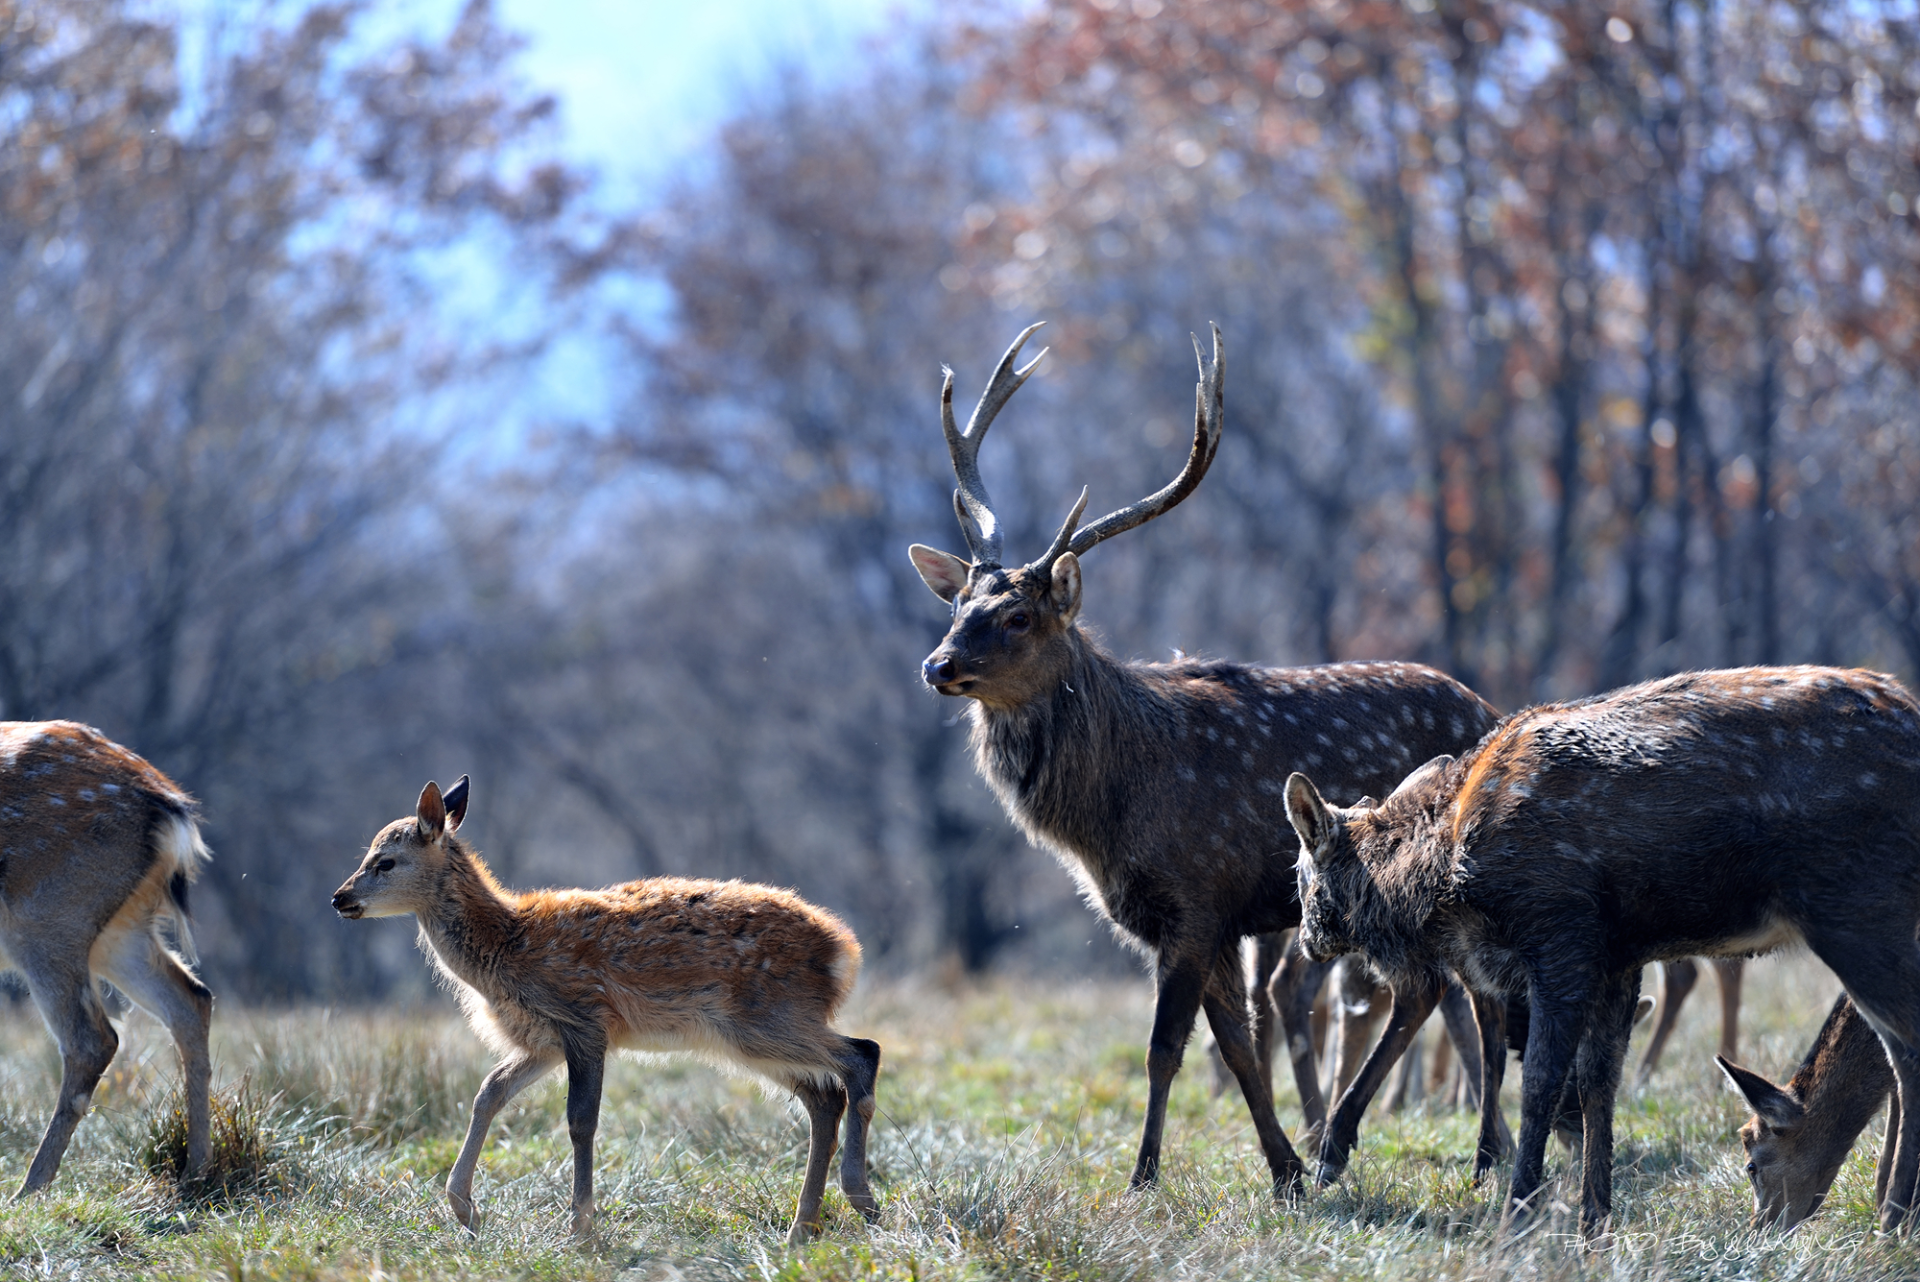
<point x="944" y="572"/>
<point x="456" y="803"/>
<point x="431" y="813"/>
<point x="1423" y="776"/>
<point x="1309" y="815"/>
<point x="1065" y="588"/>
<point x="1770" y="1104"/>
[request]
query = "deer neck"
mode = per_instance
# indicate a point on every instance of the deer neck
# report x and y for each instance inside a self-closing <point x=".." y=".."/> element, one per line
<point x="1045" y="758"/>
<point x="1841" y="1084"/>
<point x="467" y="929"/>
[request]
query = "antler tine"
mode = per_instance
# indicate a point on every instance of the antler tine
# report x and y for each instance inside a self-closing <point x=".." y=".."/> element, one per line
<point x="1064" y="539"/>
<point x="1209" y="411"/>
<point x="971" y="504"/>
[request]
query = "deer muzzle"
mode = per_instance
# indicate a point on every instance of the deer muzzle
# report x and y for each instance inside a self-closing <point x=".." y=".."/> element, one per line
<point x="942" y="672"/>
<point x="346" y="904"/>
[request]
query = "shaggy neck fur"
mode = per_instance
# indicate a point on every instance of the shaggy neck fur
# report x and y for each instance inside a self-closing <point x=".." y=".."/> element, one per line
<point x="1045" y="759"/>
<point x="1391" y="905"/>
<point x="471" y="920"/>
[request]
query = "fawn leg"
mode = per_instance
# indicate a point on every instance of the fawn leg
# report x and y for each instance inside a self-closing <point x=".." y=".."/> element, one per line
<point x="586" y="1069"/>
<point x="63" y="990"/>
<point x="860" y="1069"/>
<point x="1225" y="1000"/>
<point x="160" y="985"/>
<point x="1175" y="1005"/>
<point x="1404" y="1017"/>
<point x="824" y="1104"/>
<point x="1490" y="1014"/>
<point x="1677" y="979"/>
<point x="1295" y="985"/>
<point x="1730" y="971"/>
<point x="508" y="1078"/>
<point x="1597" y="1073"/>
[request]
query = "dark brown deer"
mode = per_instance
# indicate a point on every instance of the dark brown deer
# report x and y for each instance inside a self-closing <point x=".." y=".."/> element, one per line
<point x="746" y="976"/>
<point x="1159" y="785"/>
<point x="1708" y="814"/>
<point x="1800" y="1133"/>
<point x="97" y="849"/>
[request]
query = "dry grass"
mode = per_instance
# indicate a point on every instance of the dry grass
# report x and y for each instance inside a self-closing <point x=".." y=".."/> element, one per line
<point x="1009" y="1117"/>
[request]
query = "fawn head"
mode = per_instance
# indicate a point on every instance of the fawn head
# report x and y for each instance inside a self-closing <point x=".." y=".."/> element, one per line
<point x="1333" y="873"/>
<point x="1789" y="1162"/>
<point x="401" y="872"/>
<point x="1008" y="640"/>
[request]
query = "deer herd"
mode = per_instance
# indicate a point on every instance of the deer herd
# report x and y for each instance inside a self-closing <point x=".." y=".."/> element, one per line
<point x="1518" y="874"/>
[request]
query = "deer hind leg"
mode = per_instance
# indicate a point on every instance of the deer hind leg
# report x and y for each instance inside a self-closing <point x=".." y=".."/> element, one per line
<point x="860" y="1070"/>
<point x="1888" y="1146"/>
<point x="1408" y="1011"/>
<point x="1176" y="1002"/>
<point x="1294" y="987"/>
<point x="154" y="978"/>
<point x="63" y="990"/>
<point x="1357" y="1013"/>
<point x="1597" y="1075"/>
<point x="586" y="1073"/>
<point x="825" y="1102"/>
<point x="1730" y="971"/>
<point x="1677" y="979"/>
<point x="1225" y="1000"/>
<point x="508" y="1079"/>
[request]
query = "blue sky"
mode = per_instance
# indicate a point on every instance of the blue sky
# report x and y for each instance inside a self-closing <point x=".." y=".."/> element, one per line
<point x="643" y="82"/>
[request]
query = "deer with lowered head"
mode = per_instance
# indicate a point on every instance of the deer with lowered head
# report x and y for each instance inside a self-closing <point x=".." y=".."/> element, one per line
<point x="1708" y="814"/>
<point x="746" y="976"/>
<point x="97" y="849"/>
<point x="1800" y="1133"/>
<point x="1160" y="785"/>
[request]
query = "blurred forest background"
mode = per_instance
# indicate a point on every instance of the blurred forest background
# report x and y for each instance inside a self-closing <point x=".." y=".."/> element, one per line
<point x="1569" y="344"/>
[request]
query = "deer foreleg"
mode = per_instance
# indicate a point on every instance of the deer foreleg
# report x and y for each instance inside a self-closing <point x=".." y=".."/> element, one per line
<point x="1597" y="1074"/>
<point x="1677" y="979"/>
<point x="1553" y="1033"/>
<point x="507" y="1080"/>
<point x="586" y="1069"/>
<point x="1490" y="1014"/>
<point x="1730" y="971"/>
<point x="1408" y="1011"/>
<point x="1226" y="1005"/>
<point x="1295" y="986"/>
<point x="1888" y="1146"/>
<point x="1178" y="1001"/>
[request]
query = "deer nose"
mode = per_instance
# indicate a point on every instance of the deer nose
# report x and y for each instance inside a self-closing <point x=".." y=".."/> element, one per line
<point x="938" y="669"/>
<point x="341" y="899"/>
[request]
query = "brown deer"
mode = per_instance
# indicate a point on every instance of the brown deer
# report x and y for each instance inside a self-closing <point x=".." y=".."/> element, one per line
<point x="1800" y="1133"/>
<point x="1159" y="785"/>
<point x="746" y="976"/>
<point x="1677" y="979"/>
<point x="1708" y="814"/>
<point x="97" y="849"/>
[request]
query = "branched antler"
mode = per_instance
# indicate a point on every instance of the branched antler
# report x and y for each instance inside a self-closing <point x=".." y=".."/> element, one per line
<point x="970" y="502"/>
<point x="1209" y="410"/>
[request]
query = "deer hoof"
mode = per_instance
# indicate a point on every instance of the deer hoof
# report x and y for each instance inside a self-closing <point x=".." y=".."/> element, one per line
<point x="462" y="1209"/>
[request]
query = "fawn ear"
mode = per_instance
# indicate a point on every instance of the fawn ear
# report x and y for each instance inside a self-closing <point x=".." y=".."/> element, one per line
<point x="431" y="813"/>
<point x="1065" y="589"/>
<point x="944" y="572"/>
<point x="1771" y="1104"/>
<point x="1423" y="776"/>
<point x="456" y="803"/>
<point x="1309" y="816"/>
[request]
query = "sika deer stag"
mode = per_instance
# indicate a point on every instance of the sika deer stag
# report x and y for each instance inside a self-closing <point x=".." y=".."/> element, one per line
<point x="1800" y="1133"/>
<point x="1159" y="785"/>
<point x="96" y="852"/>
<point x="1708" y="814"/>
<point x="743" y="975"/>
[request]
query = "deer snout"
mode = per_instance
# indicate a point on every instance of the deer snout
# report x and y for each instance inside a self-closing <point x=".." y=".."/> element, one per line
<point x="942" y="672"/>
<point x="346" y="904"/>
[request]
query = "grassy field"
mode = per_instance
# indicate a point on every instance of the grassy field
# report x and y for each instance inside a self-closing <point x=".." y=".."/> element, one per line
<point x="1009" y="1114"/>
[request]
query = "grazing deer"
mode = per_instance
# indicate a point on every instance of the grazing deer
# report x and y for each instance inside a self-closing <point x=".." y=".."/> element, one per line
<point x="1158" y="785"/>
<point x="1800" y="1133"/>
<point x="746" y="976"/>
<point x="97" y="849"/>
<point x="1708" y="814"/>
<point x="1677" y="979"/>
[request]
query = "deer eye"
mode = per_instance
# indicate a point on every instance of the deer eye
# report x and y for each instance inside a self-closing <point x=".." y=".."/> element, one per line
<point x="1019" y="621"/>
<point x="1753" y="1168"/>
<point x="385" y="865"/>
